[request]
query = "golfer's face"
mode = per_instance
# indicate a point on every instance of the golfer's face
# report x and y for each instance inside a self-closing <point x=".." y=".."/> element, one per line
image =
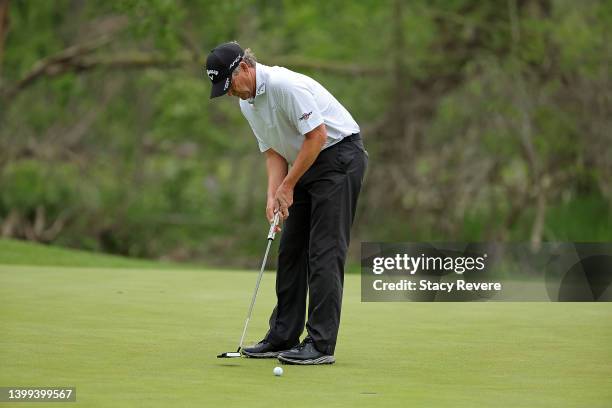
<point x="241" y="85"/>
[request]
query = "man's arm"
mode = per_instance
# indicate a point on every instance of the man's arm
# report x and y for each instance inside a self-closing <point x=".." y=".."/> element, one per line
<point x="277" y="170"/>
<point x="313" y="143"/>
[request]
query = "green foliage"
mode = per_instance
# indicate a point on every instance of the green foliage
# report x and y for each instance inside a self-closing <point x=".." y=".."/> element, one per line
<point x="28" y="184"/>
<point x="496" y="100"/>
<point x="584" y="219"/>
<point x="160" y="20"/>
<point x="33" y="34"/>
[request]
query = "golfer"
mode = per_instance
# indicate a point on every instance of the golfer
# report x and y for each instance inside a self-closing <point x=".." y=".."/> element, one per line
<point x="315" y="162"/>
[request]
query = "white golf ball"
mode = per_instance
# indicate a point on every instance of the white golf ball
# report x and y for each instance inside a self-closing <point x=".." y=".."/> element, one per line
<point x="277" y="371"/>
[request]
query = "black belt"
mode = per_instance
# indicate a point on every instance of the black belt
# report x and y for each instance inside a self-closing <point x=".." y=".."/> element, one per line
<point x="351" y="138"/>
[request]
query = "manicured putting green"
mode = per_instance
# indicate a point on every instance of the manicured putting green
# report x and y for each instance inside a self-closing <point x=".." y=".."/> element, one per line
<point x="149" y="337"/>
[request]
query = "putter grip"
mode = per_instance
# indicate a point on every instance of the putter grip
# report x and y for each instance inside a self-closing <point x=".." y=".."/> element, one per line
<point x="273" y="226"/>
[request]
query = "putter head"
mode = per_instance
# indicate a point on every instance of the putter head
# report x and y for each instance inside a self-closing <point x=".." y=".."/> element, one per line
<point x="230" y="354"/>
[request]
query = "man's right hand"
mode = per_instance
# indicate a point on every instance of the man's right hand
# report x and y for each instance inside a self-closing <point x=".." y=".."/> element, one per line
<point x="271" y="208"/>
<point x="277" y="168"/>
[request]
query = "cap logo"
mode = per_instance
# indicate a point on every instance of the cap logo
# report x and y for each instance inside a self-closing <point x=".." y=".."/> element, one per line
<point x="226" y="84"/>
<point x="235" y="61"/>
<point x="211" y="72"/>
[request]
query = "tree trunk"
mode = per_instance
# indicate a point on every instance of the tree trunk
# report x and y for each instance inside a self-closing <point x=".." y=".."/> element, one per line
<point x="4" y="25"/>
<point x="540" y="219"/>
<point x="399" y="74"/>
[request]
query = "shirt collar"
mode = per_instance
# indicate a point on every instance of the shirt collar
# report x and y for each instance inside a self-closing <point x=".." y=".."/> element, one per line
<point x="261" y="78"/>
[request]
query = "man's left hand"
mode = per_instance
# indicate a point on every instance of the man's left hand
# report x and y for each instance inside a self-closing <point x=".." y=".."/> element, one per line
<point x="284" y="198"/>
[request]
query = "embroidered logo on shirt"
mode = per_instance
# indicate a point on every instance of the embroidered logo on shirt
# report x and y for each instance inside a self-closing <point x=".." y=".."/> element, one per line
<point x="305" y="116"/>
<point x="260" y="89"/>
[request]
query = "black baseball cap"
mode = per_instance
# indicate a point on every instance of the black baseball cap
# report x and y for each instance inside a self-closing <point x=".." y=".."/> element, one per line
<point x="220" y="64"/>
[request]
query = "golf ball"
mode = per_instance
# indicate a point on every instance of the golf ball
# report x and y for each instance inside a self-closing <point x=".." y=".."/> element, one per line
<point x="277" y="371"/>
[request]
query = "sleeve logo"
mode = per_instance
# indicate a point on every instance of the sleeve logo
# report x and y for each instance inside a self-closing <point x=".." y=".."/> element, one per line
<point x="305" y="116"/>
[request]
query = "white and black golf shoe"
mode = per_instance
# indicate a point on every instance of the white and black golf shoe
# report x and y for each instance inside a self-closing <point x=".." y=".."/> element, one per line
<point x="305" y="354"/>
<point x="263" y="349"/>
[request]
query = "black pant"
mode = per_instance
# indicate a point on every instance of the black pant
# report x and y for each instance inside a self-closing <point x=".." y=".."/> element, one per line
<point x="313" y="247"/>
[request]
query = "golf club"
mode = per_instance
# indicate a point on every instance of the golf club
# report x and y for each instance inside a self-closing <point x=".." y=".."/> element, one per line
<point x="271" y="235"/>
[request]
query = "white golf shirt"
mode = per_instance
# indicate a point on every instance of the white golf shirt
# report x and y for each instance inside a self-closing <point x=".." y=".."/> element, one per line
<point x="287" y="105"/>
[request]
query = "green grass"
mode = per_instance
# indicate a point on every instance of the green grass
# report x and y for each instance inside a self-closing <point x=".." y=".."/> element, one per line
<point x="14" y="252"/>
<point x="149" y="337"/>
<point x="128" y="333"/>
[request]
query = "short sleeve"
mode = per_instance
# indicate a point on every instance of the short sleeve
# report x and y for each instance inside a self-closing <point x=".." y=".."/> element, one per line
<point x="301" y="108"/>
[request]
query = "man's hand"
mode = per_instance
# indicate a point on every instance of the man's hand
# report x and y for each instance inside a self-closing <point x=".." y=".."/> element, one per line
<point x="284" y="199"/>
<point x="282" y="180"/>
<point x="277" y="170"/>
<point x="271" y="208"/>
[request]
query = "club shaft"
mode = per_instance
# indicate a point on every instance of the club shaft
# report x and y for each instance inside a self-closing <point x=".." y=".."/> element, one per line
<point x="246" y="322"/>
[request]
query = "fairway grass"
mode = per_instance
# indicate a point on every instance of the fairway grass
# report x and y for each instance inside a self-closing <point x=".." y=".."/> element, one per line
<point x="17" y="252"/>
<point x="149" y="338"/>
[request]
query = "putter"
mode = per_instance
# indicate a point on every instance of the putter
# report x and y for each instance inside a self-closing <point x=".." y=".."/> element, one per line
<point x="271" y="235"/>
